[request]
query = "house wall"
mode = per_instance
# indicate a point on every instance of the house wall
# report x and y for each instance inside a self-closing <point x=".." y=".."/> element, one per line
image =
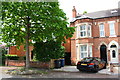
<point x="67" y="45"/>
<point x="20" y="52"/>
<point x="96" y="39"/>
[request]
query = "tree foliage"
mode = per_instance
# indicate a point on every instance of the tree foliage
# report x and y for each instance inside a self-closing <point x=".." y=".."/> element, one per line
<point x="45" y="51"/>
<point x="24" y="22"/>
<point x="46" y="22"/>
<point x="85" y="12"/>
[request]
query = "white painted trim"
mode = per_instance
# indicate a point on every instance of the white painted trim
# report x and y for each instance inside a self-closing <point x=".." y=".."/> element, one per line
<point x="117" y="49"/>
<point x="86" y="44"/>
<point x="114" y="60"/>
<point x="111" y="21"/>
<point x="113" y="36"/>
<point x="118" y="20"/>
<point x="101" y="23"/>
<point x="86" y="23"/>
<point x="113" y="42"/>
<point x="102" y="43"/>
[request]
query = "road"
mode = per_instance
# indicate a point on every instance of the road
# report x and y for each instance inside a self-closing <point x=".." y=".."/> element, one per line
<point x="58" y="74"/>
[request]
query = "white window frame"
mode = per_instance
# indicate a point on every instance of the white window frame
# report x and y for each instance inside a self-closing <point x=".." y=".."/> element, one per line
<point x="102" y="30"/>
<point x="83" y="52"/>
<point x="88" y="50"/>
<point x="83" y="31"/>
<point x="113" y="29"/>
<point x="87" y="32"/>
<point x="77" y="31"/>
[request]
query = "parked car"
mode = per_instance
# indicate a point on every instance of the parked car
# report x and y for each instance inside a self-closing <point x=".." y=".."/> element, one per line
<point x="91" y="64"/>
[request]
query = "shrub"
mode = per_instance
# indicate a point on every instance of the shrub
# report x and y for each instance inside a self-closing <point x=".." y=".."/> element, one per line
<point x="12" y="57"/>
<point x="45" y="51"/>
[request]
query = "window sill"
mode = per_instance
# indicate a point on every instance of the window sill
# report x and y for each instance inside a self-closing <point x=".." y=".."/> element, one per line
<point x="102" y="36"/>
<point x="85" y="37"/>
<point x="113" y="36"/>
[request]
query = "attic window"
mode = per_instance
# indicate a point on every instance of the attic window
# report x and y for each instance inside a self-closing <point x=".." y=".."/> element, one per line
<point x="114" y="11"/>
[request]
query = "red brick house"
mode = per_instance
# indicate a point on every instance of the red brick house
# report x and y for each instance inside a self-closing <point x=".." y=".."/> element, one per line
<point x="19" y="52"/>
<point x="97" y="35"/>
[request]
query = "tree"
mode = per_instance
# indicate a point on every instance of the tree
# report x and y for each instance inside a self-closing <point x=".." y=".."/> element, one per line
<point x="85" y="12"/>
<point x="24" y="22"/>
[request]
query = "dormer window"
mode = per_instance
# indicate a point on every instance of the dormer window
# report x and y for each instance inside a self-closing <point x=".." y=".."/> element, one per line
<point x="114" y="11"/>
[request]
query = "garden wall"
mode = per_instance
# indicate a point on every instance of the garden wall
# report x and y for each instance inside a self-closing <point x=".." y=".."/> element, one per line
<point x="35" y="64"/>
<point x="15" y="62"/>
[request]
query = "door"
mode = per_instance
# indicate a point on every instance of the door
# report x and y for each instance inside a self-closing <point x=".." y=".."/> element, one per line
<point x="67" y="58"/>
<point x="114" y="55"/>
<point x="103" y="53"/>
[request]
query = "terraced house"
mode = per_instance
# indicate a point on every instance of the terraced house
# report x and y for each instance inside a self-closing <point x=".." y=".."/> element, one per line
<point x="97" y="35"/>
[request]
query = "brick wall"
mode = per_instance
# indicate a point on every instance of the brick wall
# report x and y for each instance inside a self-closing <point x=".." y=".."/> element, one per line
<point x="36" y="64"/>
<point x="67" y="45"/>
<point x="20" y="52"/>
<point x="96" y="39"/>
<point x="15" y="63"/>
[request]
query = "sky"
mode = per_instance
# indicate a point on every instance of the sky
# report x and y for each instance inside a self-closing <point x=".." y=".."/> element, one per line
<point x="86" y="5"/>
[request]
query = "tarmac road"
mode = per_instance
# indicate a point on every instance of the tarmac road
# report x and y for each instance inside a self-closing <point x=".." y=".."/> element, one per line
<point x="56" y="74"/>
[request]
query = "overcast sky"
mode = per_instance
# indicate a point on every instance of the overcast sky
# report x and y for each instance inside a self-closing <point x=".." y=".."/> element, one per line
<point x="87" y="5"/>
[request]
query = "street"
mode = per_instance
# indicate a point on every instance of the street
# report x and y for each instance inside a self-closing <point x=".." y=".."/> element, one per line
<point x="57" y="74"/>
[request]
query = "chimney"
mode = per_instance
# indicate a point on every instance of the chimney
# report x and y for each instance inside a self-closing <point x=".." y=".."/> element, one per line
<point x="74" y="12"/>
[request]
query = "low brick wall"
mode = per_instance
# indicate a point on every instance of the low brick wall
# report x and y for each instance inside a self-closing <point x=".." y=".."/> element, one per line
<point x="15" y="62"/>
<point x="35" y="64"/>
<point x="38" y="64"/>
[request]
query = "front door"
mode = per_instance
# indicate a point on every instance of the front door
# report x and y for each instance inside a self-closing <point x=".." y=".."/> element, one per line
<point x="67" y="58"/>
<point x="114" y="55"/>
<point x="103" y="53"/>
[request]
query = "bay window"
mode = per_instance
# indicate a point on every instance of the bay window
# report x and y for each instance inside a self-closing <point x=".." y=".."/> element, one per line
<point x="85" y="51"/>
<point x="85" y="30"/>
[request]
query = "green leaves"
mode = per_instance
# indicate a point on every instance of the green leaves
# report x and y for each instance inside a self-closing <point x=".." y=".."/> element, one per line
<point x="47" y="22"/>
<point x="45" y="51"/>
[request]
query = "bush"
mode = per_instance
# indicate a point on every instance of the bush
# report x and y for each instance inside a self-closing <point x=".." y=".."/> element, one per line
<point x="12" y="57"/>
<point x="3" y="52"/>
<point x="45" y="51"/>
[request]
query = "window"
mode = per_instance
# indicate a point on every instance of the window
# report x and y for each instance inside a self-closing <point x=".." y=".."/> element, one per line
<point x="85" y="31"/>
<point x="113" y="54"/>
<point x="112" y="29"/>
<point x="89" y="30"/>
<point x="101" y="28"/>
<point x="85" y="51"/>
<point x="82" y="30"/>
<point x="90" y="51"/>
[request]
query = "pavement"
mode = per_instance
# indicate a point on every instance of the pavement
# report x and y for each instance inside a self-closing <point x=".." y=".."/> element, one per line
<point x="67" y="69"/>
<point x="116" y="71"/>
<point x="103" y="71"/>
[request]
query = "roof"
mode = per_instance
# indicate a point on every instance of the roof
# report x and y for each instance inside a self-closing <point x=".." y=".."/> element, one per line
<point x="99" y="14"/>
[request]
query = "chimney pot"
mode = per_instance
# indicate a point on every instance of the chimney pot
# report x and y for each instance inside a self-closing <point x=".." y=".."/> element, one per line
<point x="74" y="12"/>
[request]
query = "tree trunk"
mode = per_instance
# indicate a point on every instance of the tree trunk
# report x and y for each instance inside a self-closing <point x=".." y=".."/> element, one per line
<point x="27" y="44"/>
